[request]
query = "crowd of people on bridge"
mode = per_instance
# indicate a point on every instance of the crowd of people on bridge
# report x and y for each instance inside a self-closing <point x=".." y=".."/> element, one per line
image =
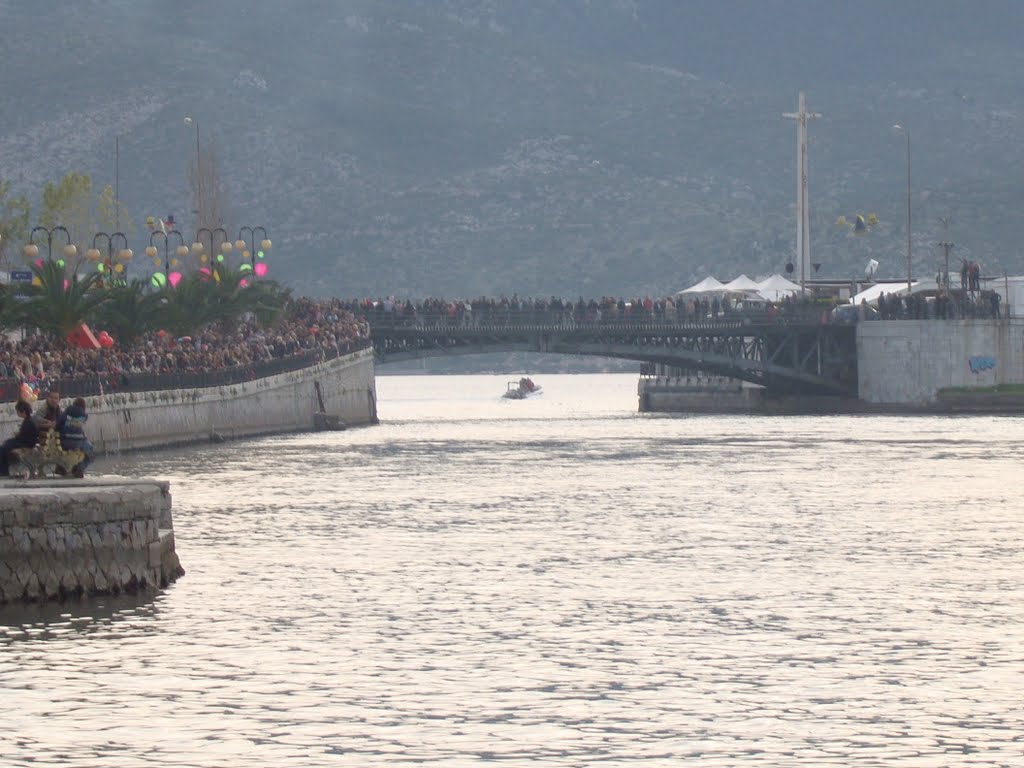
<point x="325" y="326"/>
<point x="557" y="311"/>
<point x="339" y="326"/>
<point x="953" y="305"/>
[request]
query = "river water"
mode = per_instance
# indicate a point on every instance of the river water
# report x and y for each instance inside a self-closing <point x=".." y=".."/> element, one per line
<point x="555" y="581"/>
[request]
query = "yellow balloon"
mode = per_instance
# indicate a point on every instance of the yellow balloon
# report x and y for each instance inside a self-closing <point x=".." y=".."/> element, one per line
<point x="119" y="268"/>
<point x="36" y="281"/>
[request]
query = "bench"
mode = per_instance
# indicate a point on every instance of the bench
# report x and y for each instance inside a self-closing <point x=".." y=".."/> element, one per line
<point x="48" y="454"/>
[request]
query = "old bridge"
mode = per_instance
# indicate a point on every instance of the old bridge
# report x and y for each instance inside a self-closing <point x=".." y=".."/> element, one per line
<point x="788" y="355"/>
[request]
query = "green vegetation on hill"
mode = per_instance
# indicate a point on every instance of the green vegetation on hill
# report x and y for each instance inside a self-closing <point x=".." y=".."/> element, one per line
<point x="465" y="147"/>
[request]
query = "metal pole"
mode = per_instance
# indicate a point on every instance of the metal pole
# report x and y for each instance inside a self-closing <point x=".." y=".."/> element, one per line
<point x="199" y="176"/>
<point x="947" y="246"/>
<point x="906" y="132"/>
<point x="117" y="182"/>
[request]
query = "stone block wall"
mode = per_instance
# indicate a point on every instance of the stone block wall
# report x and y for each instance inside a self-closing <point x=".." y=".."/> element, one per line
<point x="906" y="362"/>
<point x="68" y="538"/>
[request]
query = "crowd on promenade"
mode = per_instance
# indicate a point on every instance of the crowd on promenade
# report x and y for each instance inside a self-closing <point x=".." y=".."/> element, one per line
<point x="308" y="325"/>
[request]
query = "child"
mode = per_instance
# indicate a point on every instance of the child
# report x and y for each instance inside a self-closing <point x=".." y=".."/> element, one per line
<point x="72" y="434"/>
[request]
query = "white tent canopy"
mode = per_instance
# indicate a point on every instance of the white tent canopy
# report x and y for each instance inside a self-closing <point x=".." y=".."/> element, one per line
<point x="777" y="287"/>
<point x="742" y="283"/>
<point x="870" y="295"/>
<point x="707" y="285"/>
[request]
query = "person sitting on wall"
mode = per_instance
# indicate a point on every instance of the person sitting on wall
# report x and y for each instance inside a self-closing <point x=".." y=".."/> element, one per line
<point x="47" y="417"/>
<point x="72" y="434"/>
<point x="27" y="437"/>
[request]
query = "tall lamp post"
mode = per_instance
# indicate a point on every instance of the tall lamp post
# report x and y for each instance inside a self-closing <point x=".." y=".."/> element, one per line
<point x="254" y="254"/>
<point x="181" y="252"/>
<point x="906" y="132"/>
<point x="199" y="174"/>
<point x="124" y="255"/>
<point x="225" y="244"/>
<point x="32" y="250"/>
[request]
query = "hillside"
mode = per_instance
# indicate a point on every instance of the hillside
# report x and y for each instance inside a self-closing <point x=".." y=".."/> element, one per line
<point x="456" y="148"/>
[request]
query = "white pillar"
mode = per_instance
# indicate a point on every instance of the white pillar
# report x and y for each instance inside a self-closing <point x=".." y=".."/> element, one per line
<point x="803" y="207"/>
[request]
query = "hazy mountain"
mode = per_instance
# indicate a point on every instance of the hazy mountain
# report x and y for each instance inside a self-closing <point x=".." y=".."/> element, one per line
<point x="460" y="147"/>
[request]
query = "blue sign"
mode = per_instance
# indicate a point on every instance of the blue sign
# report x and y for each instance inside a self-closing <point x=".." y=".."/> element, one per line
<point x="21" y="275"/>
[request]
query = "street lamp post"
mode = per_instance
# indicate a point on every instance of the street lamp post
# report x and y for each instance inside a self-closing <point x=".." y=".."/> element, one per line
<point x="264" y="243"/>
<point x="124" y="255"/>
<point x="225" y="244"/>
<point x="906" y="132"/>
<point x="181" y="252"/>
<point x="32" y="250"/>
<point x="199" y="174"/>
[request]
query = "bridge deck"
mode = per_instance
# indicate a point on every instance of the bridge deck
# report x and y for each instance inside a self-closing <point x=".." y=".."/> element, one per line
<point x="787" y="355"/>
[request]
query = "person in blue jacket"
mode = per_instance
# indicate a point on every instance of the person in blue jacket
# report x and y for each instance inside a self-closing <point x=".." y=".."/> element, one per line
<point x="72" y="434"/>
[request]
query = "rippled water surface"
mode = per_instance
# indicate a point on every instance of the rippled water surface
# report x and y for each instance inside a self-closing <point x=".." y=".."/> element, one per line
<point x="557" y="581"/>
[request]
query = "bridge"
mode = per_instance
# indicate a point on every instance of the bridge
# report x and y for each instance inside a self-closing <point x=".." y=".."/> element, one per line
<point x="798" y="354"/>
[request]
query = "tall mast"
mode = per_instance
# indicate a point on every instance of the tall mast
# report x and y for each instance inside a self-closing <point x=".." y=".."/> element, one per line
<point x="803" y="207"/>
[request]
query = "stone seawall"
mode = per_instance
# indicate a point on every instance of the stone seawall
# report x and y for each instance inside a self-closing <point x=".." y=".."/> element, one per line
<point x="68" y="538"/>
<point x="908" y="362"/>
<point x="286" y="402"/>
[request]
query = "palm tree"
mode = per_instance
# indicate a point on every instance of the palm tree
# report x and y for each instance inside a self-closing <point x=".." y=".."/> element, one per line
<point x="59" y="304"/>
<point x="265" y="300"/>
<point x="222" y="296"/>
<point x="6" y="307"/>
<point x="129" y="312"/>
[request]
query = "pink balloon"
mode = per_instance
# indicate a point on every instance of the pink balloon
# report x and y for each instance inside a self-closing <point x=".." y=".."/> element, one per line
<point x="66" y="284"/>
<point x="205" y="273"/>
<point x="243" y="283"/>
<point x="261" y="269"/>
<point x="174" y="278"/>
<point x="39" y="262"/>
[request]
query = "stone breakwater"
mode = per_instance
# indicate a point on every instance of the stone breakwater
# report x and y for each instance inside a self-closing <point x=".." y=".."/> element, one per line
<point x="70" y="538"/>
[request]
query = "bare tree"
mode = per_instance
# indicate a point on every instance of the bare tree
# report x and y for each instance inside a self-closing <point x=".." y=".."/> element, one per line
<point x="208" y="193"/>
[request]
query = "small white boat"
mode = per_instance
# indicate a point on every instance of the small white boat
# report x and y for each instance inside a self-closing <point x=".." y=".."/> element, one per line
<point x="519" y="390"/>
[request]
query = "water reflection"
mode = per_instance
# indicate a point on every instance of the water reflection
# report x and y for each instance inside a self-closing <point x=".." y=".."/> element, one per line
<point x="58" y="620"/>
<point x="557" y="581"/>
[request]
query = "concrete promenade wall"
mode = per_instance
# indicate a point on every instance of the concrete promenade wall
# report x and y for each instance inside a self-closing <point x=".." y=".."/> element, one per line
<point x="906" y="362"/>
<point x="285" y="402"/>
<point x="61" y="538"/>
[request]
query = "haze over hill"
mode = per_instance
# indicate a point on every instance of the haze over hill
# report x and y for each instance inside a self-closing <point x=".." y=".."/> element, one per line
<point x="460" y="147"/>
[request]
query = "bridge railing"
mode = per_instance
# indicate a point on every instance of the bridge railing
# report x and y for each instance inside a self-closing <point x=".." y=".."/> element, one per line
<point x="571" y="319"/>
